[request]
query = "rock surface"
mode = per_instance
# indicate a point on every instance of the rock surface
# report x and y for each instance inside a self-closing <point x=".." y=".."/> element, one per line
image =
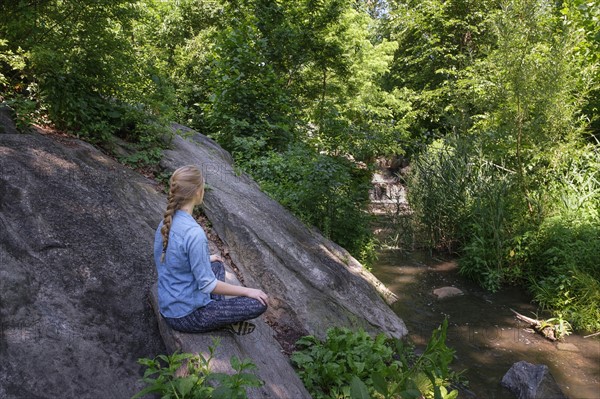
<point x="562" y="346"/>
<point x="76" y="268"/>
<point x="6" y="122"/>
<point x="76" y="230"/>
<point x="531" y="381"/>
<point x="447" y="292"/>
<point x="313" y="283"/>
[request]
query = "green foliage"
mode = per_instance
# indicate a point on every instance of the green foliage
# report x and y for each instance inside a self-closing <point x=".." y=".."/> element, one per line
<point x="349" y="109"/>
<point x="11" y="62"/>
<point x="496" y="213"/>
<point x="78" y="66"/>
<point x="436" y="40"/>
<point x="532" y="86"/>
<point x="496" y="103"/>
<point x="515" y="193"/>
<point x="584" y="16"/>
<point x="328" y="192"/>
<point x="13" y="91"/>
<point x="247" y="97"/>
<point x="327" y="368"/>
<point x="559" y="325"/>
<point x="185" y="375"/>
<point x="555" y="253"/>
<point x="143" y="158"/>
<point x="278" y="77"/>
<point x="438" y="192"/>
<point x="144" y="138"/>
<point x="355" y="365"/>
<point x="561" y="259"/>
<point x="160" y="375"/>
<point x="234" y="386"/>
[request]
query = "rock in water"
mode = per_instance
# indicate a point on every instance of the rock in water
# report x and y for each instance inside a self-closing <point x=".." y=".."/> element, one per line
<point x="447" y="292"/>
<point x="76" y="230"/>
<point x="313" y="283"/>
<point x="531" y="381"/>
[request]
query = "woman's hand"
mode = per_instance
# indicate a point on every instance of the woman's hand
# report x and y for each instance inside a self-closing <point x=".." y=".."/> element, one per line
<point x="259" y="295"/>
<point x="215" y="258"/>
<point x="223" y="288"/>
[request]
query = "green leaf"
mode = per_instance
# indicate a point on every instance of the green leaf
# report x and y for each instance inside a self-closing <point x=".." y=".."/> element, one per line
<point x="360" y="366"/>
<point x="452" y="395"/>
<point x="147" y="390"/>
<point x="250" y="380"/>
<point x="222" y="392"/>
<point x="235" y="362"/>
<point x="358" y="389"/>
<point x="301" y="358"/>
<point x="184" y="385"/>
<point x="379" y="383"/>
<point x="219" y="377"/>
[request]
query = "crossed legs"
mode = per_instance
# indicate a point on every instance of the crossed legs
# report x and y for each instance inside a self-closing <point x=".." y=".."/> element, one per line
<point x="220" y="312"/>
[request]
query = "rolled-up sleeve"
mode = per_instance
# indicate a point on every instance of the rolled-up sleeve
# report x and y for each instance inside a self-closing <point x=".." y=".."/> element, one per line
<point x="199" y="256"/>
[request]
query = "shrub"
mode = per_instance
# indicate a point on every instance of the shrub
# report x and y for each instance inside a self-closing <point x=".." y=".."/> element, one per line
<point x="330" y="193"/>
<point x="491" y="226"/>
<point x="547" y="238"/>
<point x="560" y="257"/>
<point x="562" y="266"/>
<point x="75" y="66"/>
<point x="353" y="364"/>
<point x="162" y="377"/>
<point x="438" y="189"/>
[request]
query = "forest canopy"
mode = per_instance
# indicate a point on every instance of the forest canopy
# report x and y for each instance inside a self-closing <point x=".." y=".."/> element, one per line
<point x="494" y="102"/>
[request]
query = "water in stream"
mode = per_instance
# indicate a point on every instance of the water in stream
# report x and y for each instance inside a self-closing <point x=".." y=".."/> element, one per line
<point x="482" y="330"/>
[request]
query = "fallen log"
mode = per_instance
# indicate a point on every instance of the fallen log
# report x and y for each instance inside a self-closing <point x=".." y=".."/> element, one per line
<point x="544" y="329"/>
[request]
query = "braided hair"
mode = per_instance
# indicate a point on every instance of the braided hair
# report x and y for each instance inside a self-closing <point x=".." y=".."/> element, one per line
<point x="183" y="186"/>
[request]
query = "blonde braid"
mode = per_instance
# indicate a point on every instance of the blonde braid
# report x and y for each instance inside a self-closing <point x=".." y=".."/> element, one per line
<point x="184" y="184"/>
<point x="172" y="203"/>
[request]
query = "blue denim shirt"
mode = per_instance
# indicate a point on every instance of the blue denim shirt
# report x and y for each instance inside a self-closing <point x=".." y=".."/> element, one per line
<point x="185" y="279"/>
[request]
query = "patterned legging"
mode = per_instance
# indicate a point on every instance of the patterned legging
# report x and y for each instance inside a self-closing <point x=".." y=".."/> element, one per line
<point x="219" y="312"/>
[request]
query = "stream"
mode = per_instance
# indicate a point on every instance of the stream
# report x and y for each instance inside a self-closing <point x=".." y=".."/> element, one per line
<point x="485" y="334"/>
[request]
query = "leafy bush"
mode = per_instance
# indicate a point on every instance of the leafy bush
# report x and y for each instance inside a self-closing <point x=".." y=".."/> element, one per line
<point x="13" y="91"/>
<point x="74" y="65"/>
<point x="437" y="192"/>
<point x="562" y="265"/>
<point x="328" y="192"/>
<point x="353" y="364"/>
<point x="164" y="376"/>
<point x="466" y="204"/>
<point x="491" y="226"/>
<point x="517" y="196"/>
<point x="560" y="256"/>
<point x="548" y="239"/>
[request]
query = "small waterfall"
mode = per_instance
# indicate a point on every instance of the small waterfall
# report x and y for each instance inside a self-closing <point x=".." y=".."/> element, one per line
<point x="387" y="194"/>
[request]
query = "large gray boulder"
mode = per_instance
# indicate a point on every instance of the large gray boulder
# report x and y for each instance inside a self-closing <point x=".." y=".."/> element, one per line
<point x="313" y="283"/>
<point x="76" y="230"/>
<point x="531" y="381"/>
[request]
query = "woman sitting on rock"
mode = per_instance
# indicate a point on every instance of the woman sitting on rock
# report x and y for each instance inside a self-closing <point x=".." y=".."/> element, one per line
<point x="191" y="282"/>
